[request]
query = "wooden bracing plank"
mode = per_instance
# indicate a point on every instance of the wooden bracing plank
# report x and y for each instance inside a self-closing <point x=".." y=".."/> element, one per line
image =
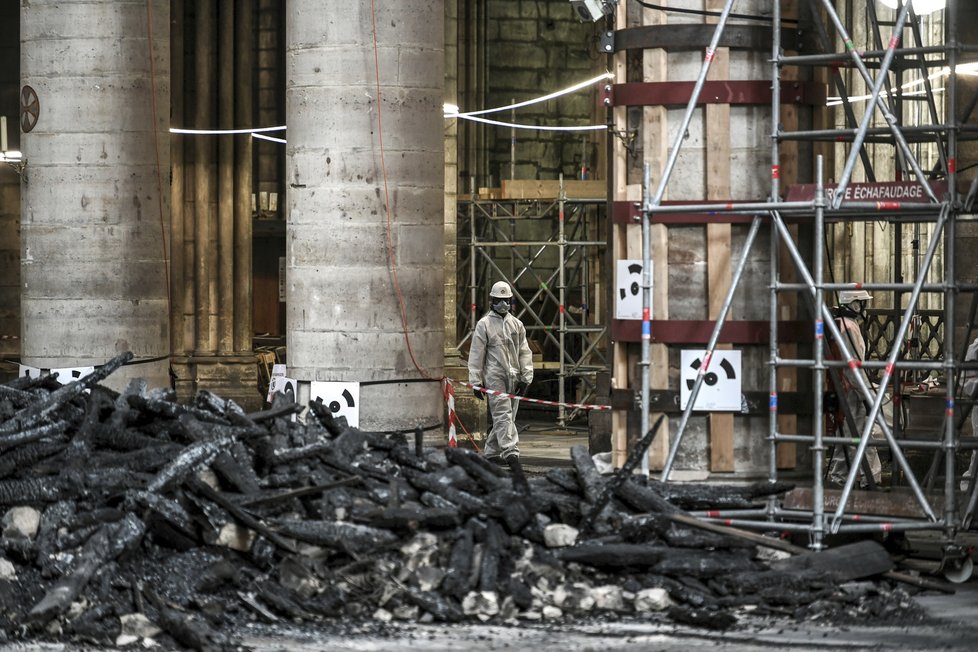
<point x="718" y="237"/>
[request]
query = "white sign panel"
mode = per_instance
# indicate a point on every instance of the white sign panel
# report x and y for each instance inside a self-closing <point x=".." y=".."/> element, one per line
<point x="280" y="383"/>
<point x="342" y="399"/>
<point x="69" y="374"/>
<point x="721" y="388"/>
<point x="29" y="372"/>
<point x="628" y="290"/>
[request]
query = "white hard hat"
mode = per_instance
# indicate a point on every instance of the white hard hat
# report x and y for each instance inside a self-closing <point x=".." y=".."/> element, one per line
<point x="848" y="296"/>
<point x="501" y="290"/>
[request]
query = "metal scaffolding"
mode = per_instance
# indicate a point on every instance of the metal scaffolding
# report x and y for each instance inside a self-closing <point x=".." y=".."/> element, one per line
<point x="548" y="251"/>
<point x="947" y="510"/>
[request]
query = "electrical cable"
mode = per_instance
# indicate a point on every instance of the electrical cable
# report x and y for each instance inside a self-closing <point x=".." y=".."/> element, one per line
<point x="392" y="266"/>
<point x="543" y="98"/>
<point x="516" y="125"/>
<point x="703" y="12"/>
<point x="224" y="132"/>
<point x="156" y="147"/>
<point x="271" y="138"/>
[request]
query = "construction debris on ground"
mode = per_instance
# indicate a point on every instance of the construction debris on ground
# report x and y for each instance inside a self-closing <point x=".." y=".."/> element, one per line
<point x="129" y="516"/>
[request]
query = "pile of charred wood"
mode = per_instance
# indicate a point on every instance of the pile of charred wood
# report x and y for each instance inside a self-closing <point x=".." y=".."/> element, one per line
<point x="129" y="516"/>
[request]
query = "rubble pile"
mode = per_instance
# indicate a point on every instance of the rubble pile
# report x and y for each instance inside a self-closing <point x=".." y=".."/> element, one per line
<point x="128" y="516"/>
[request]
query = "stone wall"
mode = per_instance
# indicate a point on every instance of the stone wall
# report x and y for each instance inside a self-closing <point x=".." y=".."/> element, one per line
<point x="536" y="48"/>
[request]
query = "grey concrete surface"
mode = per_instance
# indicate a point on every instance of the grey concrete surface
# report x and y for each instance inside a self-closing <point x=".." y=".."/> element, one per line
<point x="345" y="320"/>
<point x="95" y="188"/>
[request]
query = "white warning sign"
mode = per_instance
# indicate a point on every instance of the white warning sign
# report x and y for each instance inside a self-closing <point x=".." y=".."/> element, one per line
<point x="342" y="399"/>
<point x="280" y="383"/>
<point x="628" y="290"/>
<point x="721" y="388"/>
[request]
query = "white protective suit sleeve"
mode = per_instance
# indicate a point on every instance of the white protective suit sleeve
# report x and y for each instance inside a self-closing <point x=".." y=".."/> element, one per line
<point x="477" y="354"/>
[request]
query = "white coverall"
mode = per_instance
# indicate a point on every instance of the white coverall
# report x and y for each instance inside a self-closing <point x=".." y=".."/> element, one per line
<point x="838" y="469"/>
<point x="499" y="358"/>
<point x="970" y="385"/>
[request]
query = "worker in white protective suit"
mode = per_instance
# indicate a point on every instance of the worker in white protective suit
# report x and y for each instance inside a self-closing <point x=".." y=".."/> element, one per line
<point x="970" y="388"/>
<point x="500" y="359"/>
<point x="852" y="306"/>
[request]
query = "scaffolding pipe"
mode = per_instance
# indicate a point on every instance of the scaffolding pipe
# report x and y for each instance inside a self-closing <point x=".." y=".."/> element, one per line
<point x="473" y="317"/>
<point x="818" y="446"/>
<point x="776" y="56"/>
<point x="866" y="364"/>
<point x="644" y="362"/>
<point x="882" y="287"/>
<point x="836" y="58"/>
<point x="711" y="346"/>
<point x="561" y="290"/>
<point x="950" y="433"/>
<point x="752" y="208"/>
<point x="909" y="444"/>
<point x="892" y="526"/>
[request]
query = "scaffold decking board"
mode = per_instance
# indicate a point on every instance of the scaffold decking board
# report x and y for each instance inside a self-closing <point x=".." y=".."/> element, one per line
<point x="550" y="189"/>
<point x="898" y="503"/>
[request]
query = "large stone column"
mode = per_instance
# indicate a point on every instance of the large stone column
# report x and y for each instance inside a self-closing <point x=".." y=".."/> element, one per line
<point x="96" y="185"/>
<point x="344" y="308"/>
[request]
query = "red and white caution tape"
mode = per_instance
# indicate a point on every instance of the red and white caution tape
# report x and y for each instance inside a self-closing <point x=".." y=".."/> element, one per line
<point x="536" y="401"/>
<point x="449" y="393"/>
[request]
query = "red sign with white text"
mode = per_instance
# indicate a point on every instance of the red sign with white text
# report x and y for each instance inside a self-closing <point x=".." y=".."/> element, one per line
<point x="908" y="192"/>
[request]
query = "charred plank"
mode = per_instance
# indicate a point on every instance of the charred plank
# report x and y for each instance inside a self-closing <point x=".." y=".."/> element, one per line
<point x="105" y="545"/>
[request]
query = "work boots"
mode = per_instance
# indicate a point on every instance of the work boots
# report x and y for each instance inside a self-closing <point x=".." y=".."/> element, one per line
<point x="520" y="485"/>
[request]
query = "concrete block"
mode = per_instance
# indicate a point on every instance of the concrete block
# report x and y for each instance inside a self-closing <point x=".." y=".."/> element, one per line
<point x="235" y="537"/>
<point x="138" y="625"/>
<point x="551" y="612"/>
<point x="21" y="523"/>
<point x="655" y="599"/>
<point x="419" y="551"/>
<point x="407" y="612"/>
<point x="559" y="535"/>
<point x="573" y="597"/>
<point x="608" y="597"/>
<point x="429" y="577"/>
<point x="7" y="570"/>
<point x="483" y="604"/>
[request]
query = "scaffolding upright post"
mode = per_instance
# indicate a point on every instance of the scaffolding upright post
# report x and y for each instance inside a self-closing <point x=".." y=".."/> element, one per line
<point x="562" y="300"/>
<point x="774" y="275"/>
<point x="473" y="318"/>
<point x="950" y="431"/>
<point x="645" y="362"/>
<point x="818" y="427"/>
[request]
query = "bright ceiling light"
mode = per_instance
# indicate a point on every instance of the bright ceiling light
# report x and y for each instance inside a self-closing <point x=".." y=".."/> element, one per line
<point x="920" y="7"/>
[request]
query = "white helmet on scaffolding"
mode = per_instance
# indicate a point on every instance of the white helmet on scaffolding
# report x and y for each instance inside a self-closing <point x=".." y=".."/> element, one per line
<point x="848" y="296"/>
<point x="501" y="290"/>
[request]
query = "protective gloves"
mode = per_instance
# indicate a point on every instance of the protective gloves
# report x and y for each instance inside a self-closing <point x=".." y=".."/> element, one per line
<point x="479" y="395"/>
<point x="520" y="389"/>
